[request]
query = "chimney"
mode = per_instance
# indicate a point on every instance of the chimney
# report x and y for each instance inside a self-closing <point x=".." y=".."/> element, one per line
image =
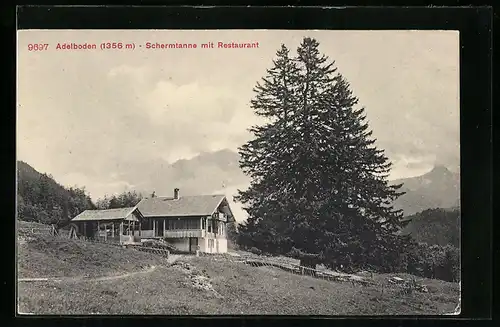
<point x="176" y="194"/>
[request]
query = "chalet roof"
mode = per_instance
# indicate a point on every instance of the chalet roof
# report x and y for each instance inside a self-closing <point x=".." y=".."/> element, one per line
<point x="108" y="214"/>
<point x="194" y="205"/>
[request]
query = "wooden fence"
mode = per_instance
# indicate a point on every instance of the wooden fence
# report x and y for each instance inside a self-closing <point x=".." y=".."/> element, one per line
<point x="288" y="266"/>
<point x="150" y="249"/>
<point x="51" y="230"/>
<point x="397" y="287"/>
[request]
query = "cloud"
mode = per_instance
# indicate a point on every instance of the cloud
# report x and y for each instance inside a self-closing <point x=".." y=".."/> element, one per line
<point x="98" y="188"/>
<point x="173" y="104"/>
<point x="405" y="166"/>
<point x="194" y="117"/>
<point x="137" y="73"/>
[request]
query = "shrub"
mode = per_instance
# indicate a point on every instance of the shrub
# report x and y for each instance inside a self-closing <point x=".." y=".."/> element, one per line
<point x="231" y="245"/>
<point x="254" y="250"/>
<point x="399" y="255"/>
<point x="434" y="261"/>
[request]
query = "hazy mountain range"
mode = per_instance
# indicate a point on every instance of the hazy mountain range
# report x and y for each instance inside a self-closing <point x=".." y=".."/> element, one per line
<point x="219" y="172"/>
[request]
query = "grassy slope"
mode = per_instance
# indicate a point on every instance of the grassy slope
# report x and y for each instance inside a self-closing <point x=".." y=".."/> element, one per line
<point x="56" y="257"/>
<point x="240" y="289"/>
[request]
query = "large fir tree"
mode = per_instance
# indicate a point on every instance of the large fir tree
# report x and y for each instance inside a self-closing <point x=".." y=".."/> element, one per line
<point x="319" y="185"/>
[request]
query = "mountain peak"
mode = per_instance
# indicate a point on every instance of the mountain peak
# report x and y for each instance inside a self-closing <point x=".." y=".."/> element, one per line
<point x="438" y="188"/>
<point x="439" y="170"/>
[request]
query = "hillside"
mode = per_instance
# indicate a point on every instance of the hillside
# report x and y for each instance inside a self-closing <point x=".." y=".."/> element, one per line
<point x="57" y="257"/>
<point x="435" y="227"/>
<point x="204" y="286"/>
<point x="439" y="188"/>
<point x="40" y="198"/>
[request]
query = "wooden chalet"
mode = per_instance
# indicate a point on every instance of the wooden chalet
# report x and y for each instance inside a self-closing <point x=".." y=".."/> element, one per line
<point x="190" y="223"/>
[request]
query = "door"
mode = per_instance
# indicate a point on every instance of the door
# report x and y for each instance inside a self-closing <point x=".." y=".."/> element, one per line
<point x="216" y="246"/>
<point x="158" y="228"/>
<point x="193" y="244"/>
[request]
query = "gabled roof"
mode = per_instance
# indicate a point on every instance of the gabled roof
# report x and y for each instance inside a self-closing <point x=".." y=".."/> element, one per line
<point x="108" y="214"/>
<point x="194" y="205"/>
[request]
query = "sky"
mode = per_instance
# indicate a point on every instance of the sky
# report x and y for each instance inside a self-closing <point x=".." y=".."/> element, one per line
<point x="87" y="116"/>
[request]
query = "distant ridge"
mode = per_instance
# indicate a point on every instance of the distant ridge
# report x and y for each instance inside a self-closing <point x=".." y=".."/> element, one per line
<point x="435" y="227"/>
<point x="439" y="188"/>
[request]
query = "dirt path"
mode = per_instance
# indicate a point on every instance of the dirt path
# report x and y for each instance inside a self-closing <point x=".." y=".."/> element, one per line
<point x="80" y="278"/>
<point x="171" y="259"/>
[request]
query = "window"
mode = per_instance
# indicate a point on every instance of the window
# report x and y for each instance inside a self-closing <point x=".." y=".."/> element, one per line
<point x="193" y="223"/>
<point x="182" y="223"/>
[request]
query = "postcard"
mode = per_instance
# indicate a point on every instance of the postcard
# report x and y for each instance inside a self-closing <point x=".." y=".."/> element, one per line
<point x="238" y="172"/>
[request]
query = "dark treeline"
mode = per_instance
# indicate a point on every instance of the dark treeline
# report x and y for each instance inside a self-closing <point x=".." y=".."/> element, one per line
<point x="41" y="199"/>
<point x="435" y="227"/>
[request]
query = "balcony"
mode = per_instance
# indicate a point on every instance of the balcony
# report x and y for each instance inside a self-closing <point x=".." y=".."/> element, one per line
<point x="177" y="233"/>
<point x="144" y="233"/>
<point x="183" y="233"/>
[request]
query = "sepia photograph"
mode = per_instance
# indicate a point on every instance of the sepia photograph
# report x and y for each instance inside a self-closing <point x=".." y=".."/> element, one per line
<point x="238" y="172"/>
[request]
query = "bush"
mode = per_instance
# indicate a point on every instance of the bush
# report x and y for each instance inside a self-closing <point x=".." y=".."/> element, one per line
<point x="434" y="261"/>
<point x="231" y="245"/>
<point x="254" y="250"/>
<point x="399" y="255"/>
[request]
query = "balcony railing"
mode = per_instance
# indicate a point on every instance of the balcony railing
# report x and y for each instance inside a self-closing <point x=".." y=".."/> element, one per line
<point x="129" y="239"/>
<point x="144" y="233"/>
<point x="184" y="233"/>
<point x="178" y="233"/>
